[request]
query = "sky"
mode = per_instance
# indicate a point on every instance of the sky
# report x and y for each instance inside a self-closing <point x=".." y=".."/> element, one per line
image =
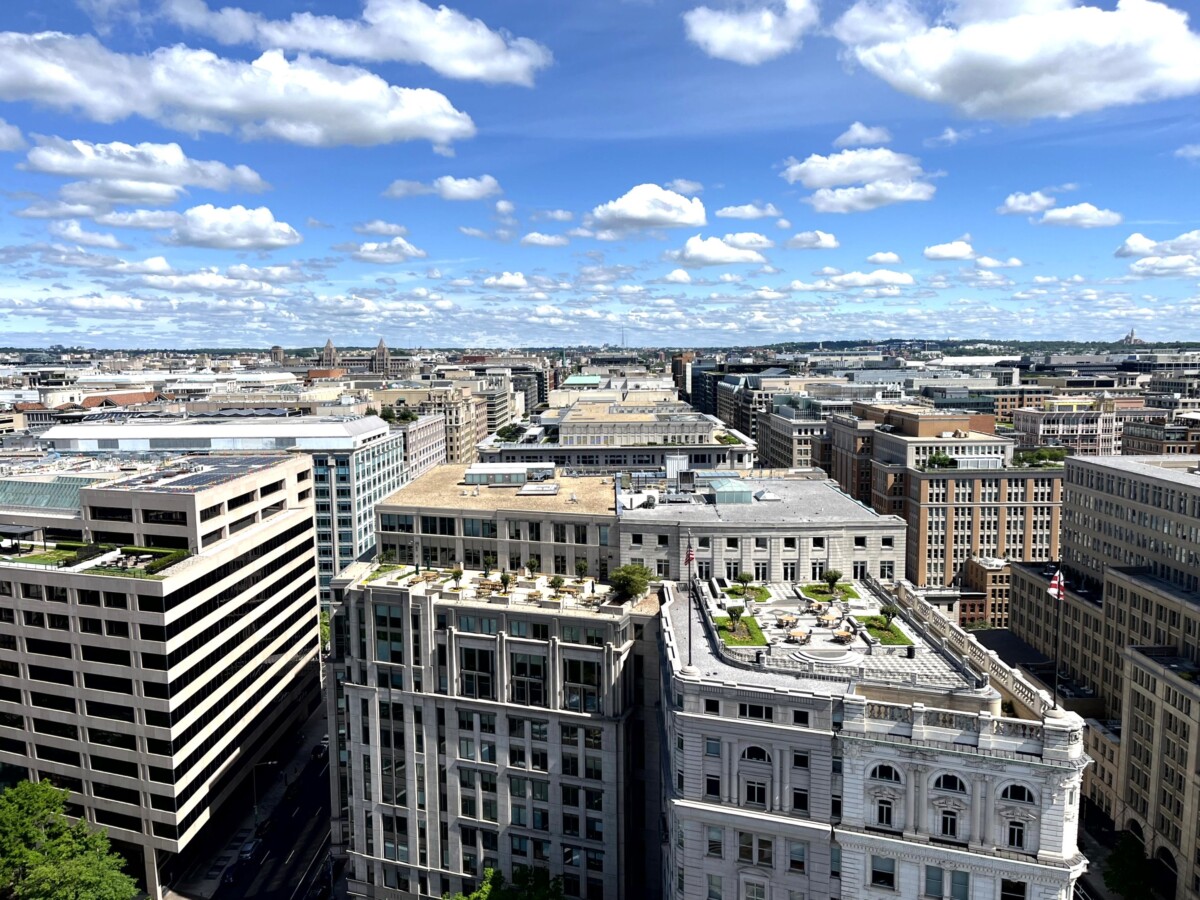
<point x="177" y="173"/>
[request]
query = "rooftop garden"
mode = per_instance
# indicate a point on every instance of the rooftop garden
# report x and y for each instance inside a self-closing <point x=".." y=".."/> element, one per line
<point x="727" y="438"/>
<point x="141" y="562"/>
<point x="1045" y="457"/>
<point x="739" y="631"/>
<point x="384" y="569"/>
<point x="754" y="592"/>
<point x="884" y="630"/>
<point x="822" y="594"/>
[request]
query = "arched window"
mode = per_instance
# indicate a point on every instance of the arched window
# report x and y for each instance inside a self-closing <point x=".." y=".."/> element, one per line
<point x="756" y="754"/>
<point x="885" y="773"/>
<point x="1018" y="793"/>
<point x="950" y="783"/>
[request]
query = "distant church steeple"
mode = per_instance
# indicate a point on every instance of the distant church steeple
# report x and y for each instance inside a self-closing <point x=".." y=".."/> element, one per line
<point x="381" y="359"/>
<point x="329" y="356"/>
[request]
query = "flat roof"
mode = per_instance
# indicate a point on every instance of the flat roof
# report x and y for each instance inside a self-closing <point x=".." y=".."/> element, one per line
<point x="800" y="501"/>
<point x="444" y="487"/>
<point x="194" y="474"/>
<point x="1165" y="468"/>
<point x="208" y="427"/>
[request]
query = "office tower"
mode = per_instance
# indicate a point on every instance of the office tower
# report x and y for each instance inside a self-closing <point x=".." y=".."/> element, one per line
<point x="160" y="634"/>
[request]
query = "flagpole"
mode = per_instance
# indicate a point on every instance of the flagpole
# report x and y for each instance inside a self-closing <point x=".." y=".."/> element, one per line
<point x="691" y="565"/>
<point x="1056" y="591"/>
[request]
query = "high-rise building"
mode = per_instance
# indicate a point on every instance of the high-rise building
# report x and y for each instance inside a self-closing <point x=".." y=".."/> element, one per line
<point x="1127" y="635"/>
<point x="160" y="635"/>
<point x="1095" y="430"/>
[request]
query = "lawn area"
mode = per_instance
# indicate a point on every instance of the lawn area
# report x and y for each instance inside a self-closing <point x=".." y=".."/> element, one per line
<point x="385" y="569"/>
<point x="756" y="593"/>
<point x="890" y="637"/>
<point x="49" y="558"/>
<point x="118" y="572"/>
<point x="820" y="592"/>
<point x="752" y="636"/>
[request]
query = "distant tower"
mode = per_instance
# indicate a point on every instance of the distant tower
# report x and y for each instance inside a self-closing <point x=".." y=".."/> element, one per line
<point x="329" y="356"/>
<point x="277" y="355"/>
<point x="381" y="360"/>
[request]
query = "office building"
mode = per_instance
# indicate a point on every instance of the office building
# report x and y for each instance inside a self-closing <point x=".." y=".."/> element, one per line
<point x="1163" y="437"/>
<point x="160" y="634"/>
<point x="355" y="461"/>
<point x="465" y="414"/>
<point x="789" y="440"/>
<point x="1129" y="645"/>
<point x="985" y="582"/>
<point x="1094" y="430"/>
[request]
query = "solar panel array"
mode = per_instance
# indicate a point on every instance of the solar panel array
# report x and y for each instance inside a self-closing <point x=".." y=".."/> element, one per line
<point x="207" y="472"/>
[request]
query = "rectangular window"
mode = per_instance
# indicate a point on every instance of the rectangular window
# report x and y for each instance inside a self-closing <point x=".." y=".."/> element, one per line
<point x="799" y="759"/>
<point x="934" y="882"/>
<point x="712" y="747"/>
<point x="883" y="813"/>
<point x="960" y="886"/>
<point x="756" y="890"/>
<point x="716" y="841"/>
<point x="1012" y="890"/>
<point x="756" y="793"/>
<point x="755" y="711"/>
<point x="800" y="801"/>
<point x="797" y="856"/>
<point x="712" y="786"/>
<point x="1016" y="835"/>
<point x="949" y="823"/>
<point x="745" y="847"/>
<point x="800" y="717"/>
<point x="883" y="872"/>
<point x="714" y="888"/>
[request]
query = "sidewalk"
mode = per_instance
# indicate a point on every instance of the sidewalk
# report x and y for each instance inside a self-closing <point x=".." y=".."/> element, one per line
<point x="204" y="879"/>
<point x="1093" y="881"/>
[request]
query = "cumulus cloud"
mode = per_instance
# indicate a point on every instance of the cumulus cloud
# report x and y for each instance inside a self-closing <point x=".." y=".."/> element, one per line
<point x="151" y="219"/>
<point x="233" y="228"/>
<point x="507" y="281"/>
<point x="950" y="136"/>
<point x="884" y="258"/>
<point x="304" y="100"/>
<point x="1026" y="59"/>
<point x="678" y="276"/>
<point x="747" y="211"/>
<point x="397" y="250"/>
<point x="1138" y="244"/>
<point x="1081" y="215"/>
<point x="165" y="164"/>
<point x="960" y="249"/>
<point x="713" y="251"/>
<point x="685" y="186"/>
<point x="378" y="226"/>
<point x="749" y="240"/>
<point x="406" y="31"/>
<point x="10" y="137"/>
<point x="989" y="262"/>
<point x="555" y="215"/>
<point x="883" y="177"/>
<point x="814" y="240"/>
<point x="446" y="187"/>
<point x="1190" y="152"/>
<point x="1019" y="204"/>
<point x="877" y="278"/>
<point x="71" y="230"/>
<point x="537" y="239"/>
<point x="858" y="135"/>
<point x="649" y="206"/>
<point x="750" y="35"/>
<point x="1183" y="265"/>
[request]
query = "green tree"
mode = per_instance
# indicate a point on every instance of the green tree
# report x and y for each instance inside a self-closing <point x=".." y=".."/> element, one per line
<point x="527" y="884"/>
<point x="1125" y="870"/>
<point x="889" y="611"/>
<point x="735" y="618"/>
<point x="533" y="564"/>
<point x="324" y="628"/>
<point x="388" y="415"/>
<point x="505" y="581"/>
<point x="581" y="569"/>
<point x="630" y="582"/>
<point x="489" y="563"/>
<point x="43" y="856"/>
<point x="556" y="583"/>
<point x="372" y="411"/>
<point x="831" y="577"/>
<point x="744" y="579"/>
<point x="456" y="575"/>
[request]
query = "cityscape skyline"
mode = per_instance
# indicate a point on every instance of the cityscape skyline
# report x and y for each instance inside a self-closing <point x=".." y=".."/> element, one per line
<point x="491" y="177"/>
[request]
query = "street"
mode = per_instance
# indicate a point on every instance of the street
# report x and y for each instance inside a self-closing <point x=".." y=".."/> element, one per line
<point x="295" y="844"/>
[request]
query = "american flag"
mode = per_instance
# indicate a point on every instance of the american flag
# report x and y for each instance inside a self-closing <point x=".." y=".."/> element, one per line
<point x="1057" y="586"/>
<point x="691" y="555"/>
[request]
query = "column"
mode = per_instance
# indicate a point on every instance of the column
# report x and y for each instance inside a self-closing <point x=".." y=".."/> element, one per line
<point x="730" y="787"/>
<point x="977" y="793"/>
<point x="910" y="803"/>
<point x="989" y="809"/>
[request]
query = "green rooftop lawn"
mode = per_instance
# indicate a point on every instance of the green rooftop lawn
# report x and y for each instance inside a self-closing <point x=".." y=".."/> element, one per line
<point x="749" y="634"/>
<point x="890" y="637"/>
<point x="820" y="592"/>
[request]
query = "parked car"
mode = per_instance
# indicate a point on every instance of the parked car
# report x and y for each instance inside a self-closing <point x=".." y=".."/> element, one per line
<point x="320" y="751"/>
<point x="251" y="850"/>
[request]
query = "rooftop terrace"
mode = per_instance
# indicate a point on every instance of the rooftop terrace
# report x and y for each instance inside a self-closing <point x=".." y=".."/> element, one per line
<point x="445" y="487"/>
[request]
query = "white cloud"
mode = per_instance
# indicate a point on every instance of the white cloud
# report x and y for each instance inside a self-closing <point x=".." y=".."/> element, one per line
<point x="751" y="35"/>
<point x="103" y="193"/>
<point x="857" y="166"/>
<point x="555" y="215"/>
<point x="474" y="232"/>
<point x="140" y="218"/>
<point x="713" y="251"/>
<point x="71" y="230"/>
<point x="988" y="262"/>
<point x="678" y="276"/>
<point x="1081" y="215"/>
<point x="537" y="239"/>
<point x="858" y="135"/>
<point x="1139" y="245"/>
<point x="685" y="186"/>
<point x="446" y="187"/>
<point x="1190" y="152"/>
<point x="155" y="163"/>
<point x="961" y="249"/>
<point x="749" y="240"/>
<point x="507" y="281"/>
<point x="650" y="206"/>
<point x="304" y="100"/>
<point x="378" y="226"/>
<point x="10" y="137"/>
<point x="870" y="196"/>
<point x="747" y="211"/>
<point x="814" y="240"/>
<point x="209" y="281"/>
<point x="949" y="137"/>
<point x="1027" y="59"/>
<point x="877" y="278"/>
<point x="504" y="208"/>
<point x="1181" y="265"/>
<point x="397" y="250"/>
<point x="885" y="177"/>
<point x="1025" y="204"/>
<point x="884" y="258"/>
<point x="407" y="31"/>
<point x="233" y="228"/>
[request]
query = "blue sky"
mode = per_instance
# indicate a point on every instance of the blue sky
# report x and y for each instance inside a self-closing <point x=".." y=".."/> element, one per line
<point x="179" y="173"/>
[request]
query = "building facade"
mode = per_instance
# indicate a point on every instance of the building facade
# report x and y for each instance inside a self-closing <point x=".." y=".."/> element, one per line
<point x="151" y="695"/>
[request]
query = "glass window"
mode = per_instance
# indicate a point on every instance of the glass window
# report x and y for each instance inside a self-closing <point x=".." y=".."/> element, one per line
<point x="934" y="882"/>
<point x="1012" y="890"/>
<point x="716" y="841"/>
<point x="797" y="856"/>
<point x="1016" y="835"/>
<point x="883" y="872"/>
<point x="714" y="888"/>
<point x="960" y="886"/>
<point x="712" y="746"/>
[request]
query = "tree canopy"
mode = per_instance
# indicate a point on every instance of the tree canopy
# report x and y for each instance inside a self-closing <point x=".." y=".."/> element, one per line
<point x="630" y="582"/>
<point x="44" y="856"/>
<point x="527" y="884"/>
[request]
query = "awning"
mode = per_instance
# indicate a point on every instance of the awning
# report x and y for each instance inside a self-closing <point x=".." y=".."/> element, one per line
<point x="17" y="531"/>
